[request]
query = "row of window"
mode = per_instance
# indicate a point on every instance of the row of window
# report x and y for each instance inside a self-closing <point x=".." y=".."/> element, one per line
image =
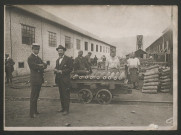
<point x="28" y="37"/>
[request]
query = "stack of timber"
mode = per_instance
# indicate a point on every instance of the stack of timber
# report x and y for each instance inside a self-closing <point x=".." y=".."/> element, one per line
<point x="151" y="80"/>
<point x="165" y="80"/>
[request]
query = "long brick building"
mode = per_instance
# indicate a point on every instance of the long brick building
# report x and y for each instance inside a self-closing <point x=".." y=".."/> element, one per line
<point x="26" y="24"/>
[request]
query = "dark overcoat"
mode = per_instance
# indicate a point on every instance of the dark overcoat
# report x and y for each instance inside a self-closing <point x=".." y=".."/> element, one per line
<point x="66" y="66"/>
<point x="36" y="72"/>
<point x="9" y="65"/>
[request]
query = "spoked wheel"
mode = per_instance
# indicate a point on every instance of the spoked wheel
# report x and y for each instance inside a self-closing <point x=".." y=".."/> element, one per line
<point x="104" y="96"/>
<point x="85" y="96"/>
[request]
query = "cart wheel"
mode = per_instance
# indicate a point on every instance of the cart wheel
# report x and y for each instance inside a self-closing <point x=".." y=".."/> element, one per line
<point x="85" y="96"/>
<point x="104" y="96"/>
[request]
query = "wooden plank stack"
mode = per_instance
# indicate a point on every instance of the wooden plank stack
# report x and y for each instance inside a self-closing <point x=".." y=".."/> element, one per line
<point x="151" y="80"/>
<point x="165" y="79"/>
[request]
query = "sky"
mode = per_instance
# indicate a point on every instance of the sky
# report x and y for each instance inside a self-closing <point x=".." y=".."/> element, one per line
<point x="116" y="22"/>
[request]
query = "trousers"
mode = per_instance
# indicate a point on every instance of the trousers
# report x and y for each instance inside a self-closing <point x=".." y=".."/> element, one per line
<point x="64" y="97"/>
<point x="35" y="91"/>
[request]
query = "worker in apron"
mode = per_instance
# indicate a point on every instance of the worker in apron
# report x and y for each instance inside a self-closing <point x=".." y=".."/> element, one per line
<point x="112" y="63"/>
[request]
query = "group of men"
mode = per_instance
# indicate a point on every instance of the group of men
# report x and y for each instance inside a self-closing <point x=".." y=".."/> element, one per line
<point x="64" y="66"/>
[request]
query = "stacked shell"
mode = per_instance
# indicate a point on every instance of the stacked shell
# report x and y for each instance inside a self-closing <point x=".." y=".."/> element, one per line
<point x="105" y="75"/>
<point x="151" y="80"/>
<point x="165" y="80"/>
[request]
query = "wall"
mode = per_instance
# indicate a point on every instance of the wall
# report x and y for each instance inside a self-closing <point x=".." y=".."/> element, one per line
<point x="20" y="52"/>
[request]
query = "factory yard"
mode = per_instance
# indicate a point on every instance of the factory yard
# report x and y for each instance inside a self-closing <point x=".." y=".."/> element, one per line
<point x="135" y="109"/>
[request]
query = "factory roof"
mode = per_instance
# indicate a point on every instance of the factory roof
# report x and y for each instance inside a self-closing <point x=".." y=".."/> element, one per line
<point x="48" y="16"/>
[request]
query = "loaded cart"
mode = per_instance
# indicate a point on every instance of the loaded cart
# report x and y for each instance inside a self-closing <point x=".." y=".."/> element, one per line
<point x="101" y="88"/>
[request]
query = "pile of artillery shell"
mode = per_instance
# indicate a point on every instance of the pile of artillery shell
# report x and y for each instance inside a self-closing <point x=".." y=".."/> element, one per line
<point x="102" y="75"/>
<point x="165" y="80"/>
<point x="151" y="80"/>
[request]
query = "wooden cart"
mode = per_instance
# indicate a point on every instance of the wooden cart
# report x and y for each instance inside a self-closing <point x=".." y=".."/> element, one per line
<point x="102" y="90"/>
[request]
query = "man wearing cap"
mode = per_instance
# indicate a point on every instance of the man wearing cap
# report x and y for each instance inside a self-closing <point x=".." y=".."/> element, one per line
<point x="80" y="62"/>
<point x="9" y="63"/>
<point x="88" y="60"/>
<point x="37" y="67"/>
<point x="63" y="68"/>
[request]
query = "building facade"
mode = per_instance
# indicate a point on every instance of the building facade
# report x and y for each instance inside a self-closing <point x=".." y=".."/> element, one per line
<point x="161" y="49"/>
<point x="25" y="25"/>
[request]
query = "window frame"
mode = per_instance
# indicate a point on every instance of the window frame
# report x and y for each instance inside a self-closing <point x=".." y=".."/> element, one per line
<point x="78" y="40"/>
<point x="86" y="46"/>
<point x="100" y="48"/>
<point x="97" y="48"/>
<point x="52" y="39"/>
<point x="69" y="43"/>
<point x="27" y="34"/>
<point x="92" y="47"/>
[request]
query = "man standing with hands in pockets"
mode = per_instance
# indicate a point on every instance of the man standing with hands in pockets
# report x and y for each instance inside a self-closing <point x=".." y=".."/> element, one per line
<point x="37" y="67"/>
<point x="64" y="67"/>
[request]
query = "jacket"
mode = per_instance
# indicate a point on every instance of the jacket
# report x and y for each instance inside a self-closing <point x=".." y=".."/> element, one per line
<point x="66" y="66"/>
<point x="36" y="71"/>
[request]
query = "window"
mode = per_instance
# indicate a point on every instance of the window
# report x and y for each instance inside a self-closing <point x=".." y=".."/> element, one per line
<point x="100" y="48"/>
<point x="96" y="48"/>
<point x="67" y="42"/>
<point x="21" y="64"/>
<point x="52" y="39"/>
<point x="86" y="46"/>
<point x="48" y="62"/>
<point x="103" y="48"/>
<point x="92" y="47"/>
<point x="78" y="44"/>
<point x="28" y="34"/>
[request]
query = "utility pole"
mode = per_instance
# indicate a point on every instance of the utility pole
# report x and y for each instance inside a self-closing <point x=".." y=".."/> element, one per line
<point x="171" y="51"/>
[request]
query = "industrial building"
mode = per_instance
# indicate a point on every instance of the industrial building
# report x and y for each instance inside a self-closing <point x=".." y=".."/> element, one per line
<point x="161" y="49"/>
<point x="138" y="53"/>
<point x="26" y="24"/>
<point x="139" y="48"/>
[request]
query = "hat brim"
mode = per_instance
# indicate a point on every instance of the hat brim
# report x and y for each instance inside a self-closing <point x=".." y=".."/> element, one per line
<point x="61" y="48"/>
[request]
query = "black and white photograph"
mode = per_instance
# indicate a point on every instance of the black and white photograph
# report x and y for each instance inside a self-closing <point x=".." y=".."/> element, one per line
<point x="90" y="67"/>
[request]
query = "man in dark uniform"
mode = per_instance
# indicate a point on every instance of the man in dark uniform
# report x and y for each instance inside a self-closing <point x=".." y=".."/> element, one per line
<point x="88" y="61"/>
<point x="80" y="62"/>
<point x="64" y="67"/>
<point x="95" y="60"/>
<point x="37" y="67"/>
<point x="9" y="63"/>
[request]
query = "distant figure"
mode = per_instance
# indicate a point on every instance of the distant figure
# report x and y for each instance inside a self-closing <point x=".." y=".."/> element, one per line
<point x="95" y="60"/>
<point x="103" y="61"/>
<point x="37" y="67"/>
<point x="112" y="63"/>
<point x="133" y="70"/>
<point x="9" y="68"/>
<point x="88" y="60"/>
<point x="99" y="63"/>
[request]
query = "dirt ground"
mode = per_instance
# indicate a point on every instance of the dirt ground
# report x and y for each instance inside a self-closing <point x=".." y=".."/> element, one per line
<point x="17" y="115"/>
<point x="122" y="113"/>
